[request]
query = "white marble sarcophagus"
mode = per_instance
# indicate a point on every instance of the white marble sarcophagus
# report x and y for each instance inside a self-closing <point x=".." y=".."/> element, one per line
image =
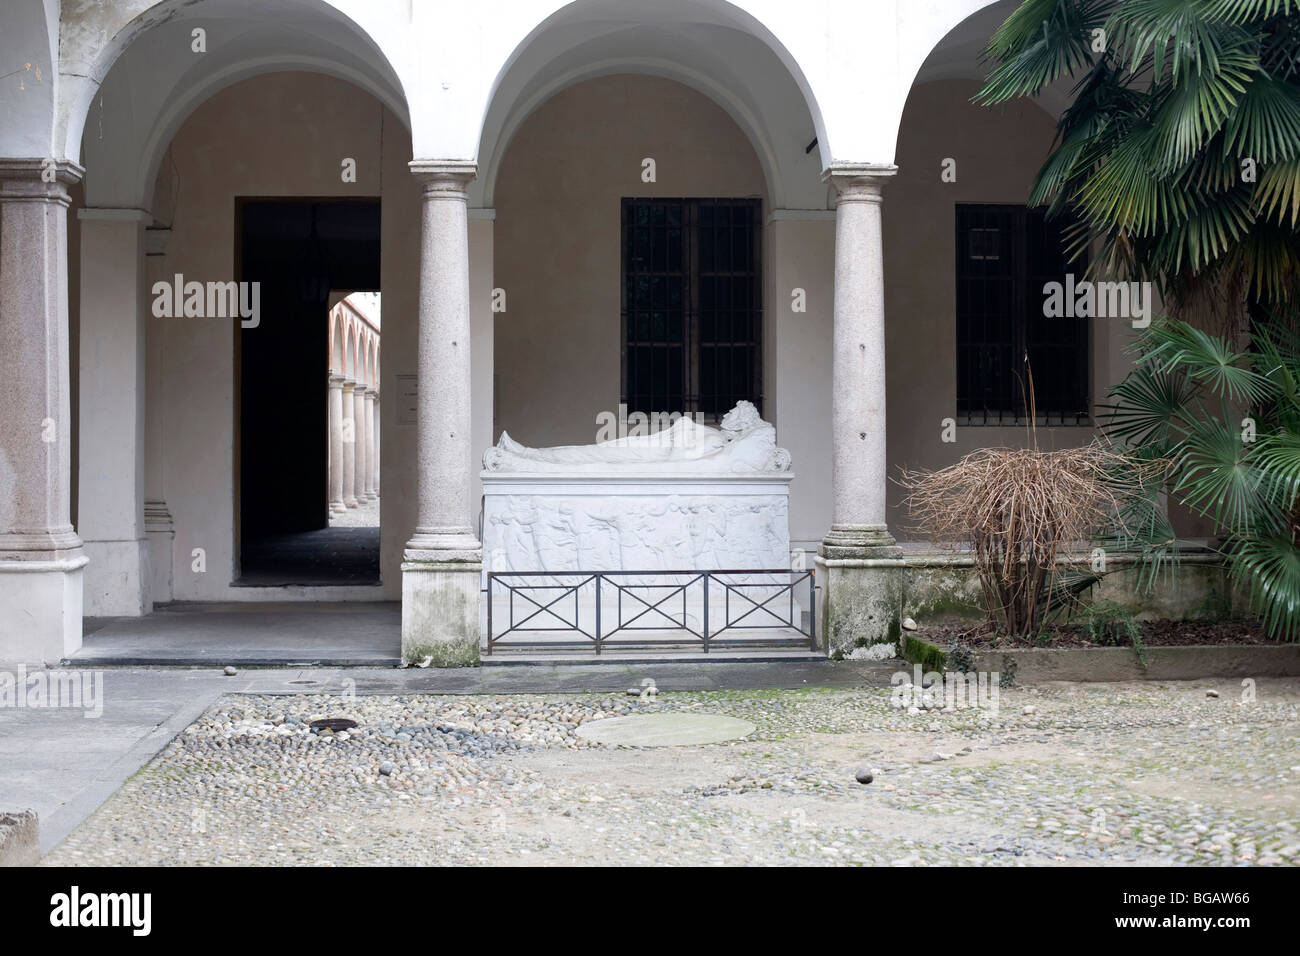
<point x="689" y="497"/>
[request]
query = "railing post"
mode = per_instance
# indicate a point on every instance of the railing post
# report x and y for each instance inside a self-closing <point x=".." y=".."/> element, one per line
<point x="812" y="611"/>
<point x="706" y="612"/>
<point x="489" y="614"/>
<point x="598" y="639"/>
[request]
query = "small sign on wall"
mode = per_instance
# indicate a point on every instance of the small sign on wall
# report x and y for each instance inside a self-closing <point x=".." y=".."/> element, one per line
<point x="408" y="392"/>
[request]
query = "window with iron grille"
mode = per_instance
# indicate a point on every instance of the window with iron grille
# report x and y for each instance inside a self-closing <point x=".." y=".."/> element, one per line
<point x="692" y="308"/>
<point x="1005" y="255"/>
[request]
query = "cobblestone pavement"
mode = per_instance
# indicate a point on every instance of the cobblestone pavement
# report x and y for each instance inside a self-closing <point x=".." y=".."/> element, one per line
<point x="1064" y="774"/>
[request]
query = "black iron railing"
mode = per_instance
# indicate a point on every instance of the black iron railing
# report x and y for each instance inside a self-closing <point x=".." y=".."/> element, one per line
<point x="683" y="603"/>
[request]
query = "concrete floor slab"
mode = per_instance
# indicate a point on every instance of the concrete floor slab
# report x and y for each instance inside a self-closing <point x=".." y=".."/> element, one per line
<point x="64" y="764"/>
<point x="266" y="634"/>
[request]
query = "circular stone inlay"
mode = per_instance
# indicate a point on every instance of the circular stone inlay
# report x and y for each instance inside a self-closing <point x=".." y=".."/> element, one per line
<point x="665" y="730"/>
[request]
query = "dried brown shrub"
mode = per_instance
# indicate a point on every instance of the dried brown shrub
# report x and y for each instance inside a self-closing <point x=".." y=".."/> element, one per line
<point x="1017" y="510"/>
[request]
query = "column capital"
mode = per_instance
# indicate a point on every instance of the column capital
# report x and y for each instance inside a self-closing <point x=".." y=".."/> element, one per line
<point x="858" y="182"/>
<point x="349" y="385"/>
<point x="444" y="178"/>
<point x="38" y="180"/>
<point x="335" y="380"/>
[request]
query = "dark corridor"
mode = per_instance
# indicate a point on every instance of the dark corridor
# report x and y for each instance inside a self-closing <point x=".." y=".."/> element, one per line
<point x="299" y="251"/>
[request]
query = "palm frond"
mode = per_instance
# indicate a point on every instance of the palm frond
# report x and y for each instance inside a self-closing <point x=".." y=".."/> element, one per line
<point x="1198" y="104"/>
<point x="1042" y="41"/>
<point x="1269" y="567"/>
<point x="1278" y="192"/>
<point x="1215" y="479"/>
<point x="1145" y="405"/>
<point x="1265" y="126"/>
<point x="1208" y="359"/>
<point x="1247" y="11"/>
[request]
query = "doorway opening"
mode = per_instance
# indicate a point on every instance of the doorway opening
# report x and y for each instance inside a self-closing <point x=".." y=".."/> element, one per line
<point x="307" y="256"/>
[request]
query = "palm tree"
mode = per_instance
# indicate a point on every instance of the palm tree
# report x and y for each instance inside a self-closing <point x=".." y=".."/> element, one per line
<point x="1178" y="162"/>
<point x="1179" y="158"/>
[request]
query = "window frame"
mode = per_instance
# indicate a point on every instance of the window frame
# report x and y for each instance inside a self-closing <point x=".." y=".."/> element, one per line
<point x="1022" y="293"/>
<point x="692" y="311"/>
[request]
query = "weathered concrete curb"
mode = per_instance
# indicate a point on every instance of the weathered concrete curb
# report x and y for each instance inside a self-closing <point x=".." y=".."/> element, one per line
<point x="1102" y="664"/>
<point x="20" y="839"/>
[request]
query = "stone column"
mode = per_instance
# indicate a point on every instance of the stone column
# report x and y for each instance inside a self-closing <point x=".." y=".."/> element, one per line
<point x="349" y="458"/>
<point x="362" y="454"/>
<point x="159" y="527"/>
<point x="374" y="443"/>
<point x="860" y="598"/>
<point x="41" y="556"/>
<point x="369" y="445"/>
<point x="443" y="559"/>
<point x="111" y="464"/>
<point x="336" y="443"/>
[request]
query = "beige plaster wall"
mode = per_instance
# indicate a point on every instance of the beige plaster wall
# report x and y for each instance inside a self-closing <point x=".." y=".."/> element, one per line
<point x="274" y="136"/>
<point x="998" y="153"/>
<point x="557" y="237"/>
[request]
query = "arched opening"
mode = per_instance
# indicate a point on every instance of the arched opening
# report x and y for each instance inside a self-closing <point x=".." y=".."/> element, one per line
<point x="621" y="145"/>
<point x="966" y="261"/>
<point x="275" y="157"/>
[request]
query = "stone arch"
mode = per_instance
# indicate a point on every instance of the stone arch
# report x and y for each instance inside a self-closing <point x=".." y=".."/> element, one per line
<point x="764" y="90"/>
<point x="142" y="82"/>
<point x="955" y="54"/>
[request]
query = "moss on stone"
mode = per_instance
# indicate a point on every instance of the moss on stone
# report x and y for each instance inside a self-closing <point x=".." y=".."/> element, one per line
<point x="460" y="652"/>
<point x="917" y="651"/>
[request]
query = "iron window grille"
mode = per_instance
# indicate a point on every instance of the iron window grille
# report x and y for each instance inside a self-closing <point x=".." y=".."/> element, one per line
<point x="1005" y="255"/>
<point x="692" y="316"/>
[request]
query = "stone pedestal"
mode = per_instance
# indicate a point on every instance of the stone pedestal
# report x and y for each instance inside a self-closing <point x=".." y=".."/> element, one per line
<point x="858" y="599"/>
<point x="443" y="559"/>
<point x="41" y="556"/>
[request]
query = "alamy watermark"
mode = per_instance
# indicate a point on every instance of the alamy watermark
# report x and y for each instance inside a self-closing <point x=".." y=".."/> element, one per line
<point x="656" y="427"/>
<point x="208" y="300"/>
<point x="49" y="689"/>
<point x="1100" y="300"/>
<point x="956" y="691"/>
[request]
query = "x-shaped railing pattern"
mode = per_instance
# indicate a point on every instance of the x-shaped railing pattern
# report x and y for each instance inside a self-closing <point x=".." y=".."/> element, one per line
<point x="531" y="608"/>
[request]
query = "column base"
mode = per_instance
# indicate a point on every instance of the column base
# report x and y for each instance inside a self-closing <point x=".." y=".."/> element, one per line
<point x="440" y="611"/>
<point x="117" y="578"/>
<point x="160" y="532"/>
<point x="40" y="610"/>
<point x="859" y="541"/>
<point x="337" y="507"/>
<point x="862" y="574"/>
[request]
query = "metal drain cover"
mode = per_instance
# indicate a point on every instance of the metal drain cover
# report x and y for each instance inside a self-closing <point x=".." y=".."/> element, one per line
<point x="332" y="724"/>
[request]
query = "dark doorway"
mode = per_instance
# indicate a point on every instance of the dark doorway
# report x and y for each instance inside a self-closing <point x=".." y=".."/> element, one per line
<point x="299" y="251"/>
